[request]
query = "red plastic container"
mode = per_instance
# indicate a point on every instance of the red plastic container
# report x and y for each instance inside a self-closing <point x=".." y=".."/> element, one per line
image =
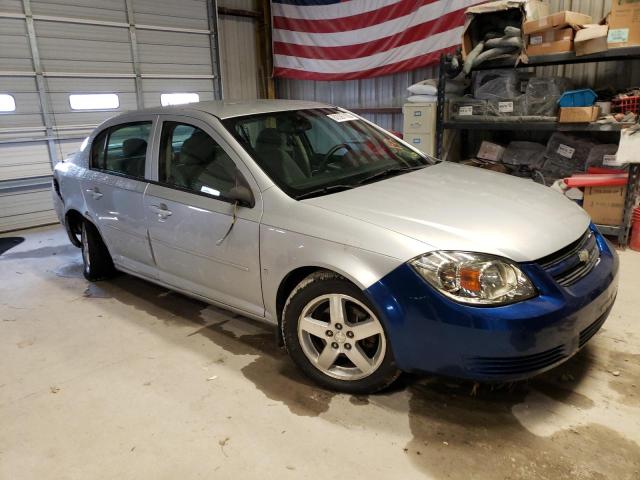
<point x="634" y="242"/>
<point x="624" y="105"/>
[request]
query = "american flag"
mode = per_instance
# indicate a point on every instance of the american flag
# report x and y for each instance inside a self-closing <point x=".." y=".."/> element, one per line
<point x="343" y="40"/>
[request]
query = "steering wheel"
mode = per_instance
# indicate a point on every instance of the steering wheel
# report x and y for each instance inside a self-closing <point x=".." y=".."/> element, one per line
<point x="325" y="160"/>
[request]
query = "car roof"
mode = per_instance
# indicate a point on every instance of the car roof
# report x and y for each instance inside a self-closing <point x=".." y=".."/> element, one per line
<point x="228" y="109"/>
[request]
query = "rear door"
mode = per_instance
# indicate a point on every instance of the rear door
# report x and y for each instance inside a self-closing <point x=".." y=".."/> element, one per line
<point x="113" y="190"/>
<point x="197" y="244"/>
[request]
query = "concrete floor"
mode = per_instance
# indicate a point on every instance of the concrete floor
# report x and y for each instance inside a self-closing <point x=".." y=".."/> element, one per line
<point x="123" y="379"/>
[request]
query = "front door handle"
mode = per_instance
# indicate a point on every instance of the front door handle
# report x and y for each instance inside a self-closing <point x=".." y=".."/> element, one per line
<point x="94" y="192"/>
<point x="162" y="211"/>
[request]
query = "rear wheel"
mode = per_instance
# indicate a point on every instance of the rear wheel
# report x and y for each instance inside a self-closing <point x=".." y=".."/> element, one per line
<point x="95" y="256"/>
<point x="334" y="335"/>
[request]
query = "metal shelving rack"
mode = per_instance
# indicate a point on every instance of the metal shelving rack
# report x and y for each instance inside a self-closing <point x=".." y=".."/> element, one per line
<point x="618" y="54"/>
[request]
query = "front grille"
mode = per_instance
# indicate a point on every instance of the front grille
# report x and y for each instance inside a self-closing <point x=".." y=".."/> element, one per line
<point x="591" y="330"/>
<point x="490" y="366"/>
<point x="573" y="262"/>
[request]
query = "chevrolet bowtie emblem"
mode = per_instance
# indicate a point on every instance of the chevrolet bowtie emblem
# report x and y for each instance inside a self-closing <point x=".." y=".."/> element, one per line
<point x="583" y="255"/>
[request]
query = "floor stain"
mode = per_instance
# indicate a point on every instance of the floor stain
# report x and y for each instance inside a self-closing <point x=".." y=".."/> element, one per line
<point x="7" y="243"/>
<point x="96" y="290"/>
<point x="560" y="382"/>
<point x="70" y="270"/>
<point x="627" y="384"/>
<point x="42" y="252"/>
<point x="459" y="437"/>
<point x="359" y="400"/>
<point x="272" y="372"/>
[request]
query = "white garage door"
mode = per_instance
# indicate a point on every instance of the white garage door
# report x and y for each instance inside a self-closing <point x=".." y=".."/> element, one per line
<point x="67" y="65"/>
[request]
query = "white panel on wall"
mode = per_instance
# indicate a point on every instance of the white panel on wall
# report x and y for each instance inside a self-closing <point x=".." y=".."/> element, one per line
<point x="103" y="10"/>
<point x="24" y="160"/>
<point x="239" y="57"/>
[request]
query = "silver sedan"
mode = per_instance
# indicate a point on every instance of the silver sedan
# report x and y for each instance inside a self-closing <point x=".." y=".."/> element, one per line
<point x="370" y="257"/>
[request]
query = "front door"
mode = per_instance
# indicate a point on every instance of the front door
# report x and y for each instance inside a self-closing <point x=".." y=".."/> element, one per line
<point x="197" y="244"/>
<point x="113" y="189"/>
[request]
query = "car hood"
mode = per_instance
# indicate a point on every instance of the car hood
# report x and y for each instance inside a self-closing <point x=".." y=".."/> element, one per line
<point x="455" y="207"/>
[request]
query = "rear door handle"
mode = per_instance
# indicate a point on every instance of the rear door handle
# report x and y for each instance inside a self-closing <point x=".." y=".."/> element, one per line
<point x="95" y="192"/>
<point x="162" y="211"/>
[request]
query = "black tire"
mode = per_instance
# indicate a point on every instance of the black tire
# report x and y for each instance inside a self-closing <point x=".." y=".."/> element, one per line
<point x="316" y="286"/>
<point x="97" y="261"/>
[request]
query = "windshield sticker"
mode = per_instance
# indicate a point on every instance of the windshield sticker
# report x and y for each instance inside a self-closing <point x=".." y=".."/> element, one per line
<point x="342" y="117"/>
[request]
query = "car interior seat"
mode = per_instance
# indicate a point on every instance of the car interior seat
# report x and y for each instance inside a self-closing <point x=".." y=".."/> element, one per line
<point x="270" y="148"/>
<point x="134" y="152"/>
<point x="197" y="152"/>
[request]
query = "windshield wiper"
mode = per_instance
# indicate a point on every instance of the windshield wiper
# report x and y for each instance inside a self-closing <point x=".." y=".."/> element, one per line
<point x="389" y="172"/>
<point x="324" y="191"/>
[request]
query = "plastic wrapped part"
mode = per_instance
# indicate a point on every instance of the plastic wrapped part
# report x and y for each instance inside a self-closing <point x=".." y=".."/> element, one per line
<point x="543" y="94"/>
<point x="430" y="87"/>
<point x="496" y="85"/>
<point x="422" y="99"/>
<point x="565" y="155"/>
<point x="467" y="108"/>
<point x="603" y="155"/>
<point x="515" y="107"/>
<point x="425" y="87"/>
<point x="530" y="154"/>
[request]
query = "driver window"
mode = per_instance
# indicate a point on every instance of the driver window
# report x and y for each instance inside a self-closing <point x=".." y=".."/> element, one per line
<point x="190" y="159"/>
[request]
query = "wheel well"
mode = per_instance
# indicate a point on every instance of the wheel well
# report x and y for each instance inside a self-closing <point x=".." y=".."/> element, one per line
<point x="73" y="222"/>
<point x="290" y="282"/>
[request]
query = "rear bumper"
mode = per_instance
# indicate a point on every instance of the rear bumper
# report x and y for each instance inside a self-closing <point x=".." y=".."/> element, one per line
<point x="431" y="333"/>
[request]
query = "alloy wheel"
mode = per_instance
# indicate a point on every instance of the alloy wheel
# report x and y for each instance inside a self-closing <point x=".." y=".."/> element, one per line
<point x="341" y="337"/>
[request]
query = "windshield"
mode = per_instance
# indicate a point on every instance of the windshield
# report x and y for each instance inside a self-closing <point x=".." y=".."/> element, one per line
<point x="318" y="151"/>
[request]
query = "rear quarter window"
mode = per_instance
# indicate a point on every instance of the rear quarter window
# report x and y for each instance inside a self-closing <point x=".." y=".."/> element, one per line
<point x="122" y="149"/>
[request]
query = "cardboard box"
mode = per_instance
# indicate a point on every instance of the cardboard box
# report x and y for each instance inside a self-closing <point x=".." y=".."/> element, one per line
<point x="491" y="151"/>
<point x="579" y="114"/>
<point x="605" y="205"/>
<point x="624" y="24"/>
<point x="550" y="41"/>
<point x="556" y="21"/>
<point x="591" y="39"/>
<point x="479" y="19"/>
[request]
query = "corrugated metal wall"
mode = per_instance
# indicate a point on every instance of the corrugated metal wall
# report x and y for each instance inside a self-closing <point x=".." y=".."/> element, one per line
<point x="390" y="91"/>
<point x="238" y="53"/>
<point x="137" y="49"/>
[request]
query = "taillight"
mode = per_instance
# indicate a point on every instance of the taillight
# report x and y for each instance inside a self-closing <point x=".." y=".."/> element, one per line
<point x="56" y="187"/>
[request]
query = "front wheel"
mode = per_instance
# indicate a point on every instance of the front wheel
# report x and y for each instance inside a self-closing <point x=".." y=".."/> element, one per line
<point x="95" y="255"/>
<point x="334" y="335"/>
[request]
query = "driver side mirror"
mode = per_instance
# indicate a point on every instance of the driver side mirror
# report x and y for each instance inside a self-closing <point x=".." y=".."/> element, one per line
<point x="242" y="196"/>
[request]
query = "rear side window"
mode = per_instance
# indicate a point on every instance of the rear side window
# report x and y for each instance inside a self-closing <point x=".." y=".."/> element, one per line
<point x="122" y="149"/>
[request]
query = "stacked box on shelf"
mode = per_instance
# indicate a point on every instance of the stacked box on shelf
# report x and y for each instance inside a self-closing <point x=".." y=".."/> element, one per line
<point x="624" y="24"/>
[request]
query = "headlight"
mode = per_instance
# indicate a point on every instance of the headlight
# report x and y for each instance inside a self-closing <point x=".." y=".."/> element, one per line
<point x="474" y="278"/>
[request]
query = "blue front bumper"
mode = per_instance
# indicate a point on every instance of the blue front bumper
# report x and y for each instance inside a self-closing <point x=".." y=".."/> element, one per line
<point x="431" y="333"/>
